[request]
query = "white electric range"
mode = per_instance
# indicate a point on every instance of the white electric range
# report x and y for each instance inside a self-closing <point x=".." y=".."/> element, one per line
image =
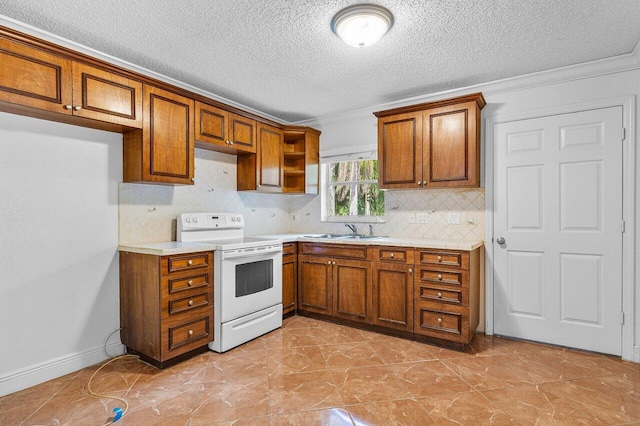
<point x="247" y="271"/>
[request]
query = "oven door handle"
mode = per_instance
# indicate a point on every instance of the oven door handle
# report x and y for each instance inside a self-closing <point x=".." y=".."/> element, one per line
<point x="254" y="253"/>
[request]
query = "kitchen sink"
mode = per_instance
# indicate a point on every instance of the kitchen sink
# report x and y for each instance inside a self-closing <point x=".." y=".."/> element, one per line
<point x="328" y="236"/>
<point x="364" y="237"/>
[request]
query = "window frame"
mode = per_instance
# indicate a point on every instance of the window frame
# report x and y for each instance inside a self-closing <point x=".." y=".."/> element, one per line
<point x="324" y="191"/>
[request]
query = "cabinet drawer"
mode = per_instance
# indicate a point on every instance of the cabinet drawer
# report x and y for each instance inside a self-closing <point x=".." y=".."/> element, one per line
<point x="395" y="254"/>
<point x="183" y="304"/>
<point x="336" y="250"/>
<point x="288" y="248"/>
<point x="177" y="285"/>
<point x="186" y="262"/>
<point x="433" y="322"/>
<point x="441" y="295"/>
<point x="442" y="276"/>
<point x="454" y="259"/>
<point x="182" y="335"/>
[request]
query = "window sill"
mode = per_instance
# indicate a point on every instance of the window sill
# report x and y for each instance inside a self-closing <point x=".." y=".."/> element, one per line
<point x="354" y="219"/>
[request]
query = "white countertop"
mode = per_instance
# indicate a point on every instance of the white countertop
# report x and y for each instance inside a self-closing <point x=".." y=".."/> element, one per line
<point x="179" y="247"/>
<point x="170" y="247"/>
<point x="387" y="241"/>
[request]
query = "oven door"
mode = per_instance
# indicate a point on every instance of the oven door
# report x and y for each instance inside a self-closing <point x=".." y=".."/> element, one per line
<point x="249" y="281"/>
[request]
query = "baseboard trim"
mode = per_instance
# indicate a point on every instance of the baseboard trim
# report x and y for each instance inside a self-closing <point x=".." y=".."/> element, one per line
<point x="48" y="370"/>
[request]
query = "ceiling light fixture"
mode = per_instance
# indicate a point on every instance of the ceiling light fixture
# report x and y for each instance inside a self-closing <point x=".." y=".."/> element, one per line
<point x="362" y="25"/>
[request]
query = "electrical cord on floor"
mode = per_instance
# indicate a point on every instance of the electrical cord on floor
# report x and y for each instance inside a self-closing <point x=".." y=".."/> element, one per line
<point x="119" y="412"/>
<point x="107" y="341"/>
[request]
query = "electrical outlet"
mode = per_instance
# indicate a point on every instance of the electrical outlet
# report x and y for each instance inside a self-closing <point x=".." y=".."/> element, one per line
<point x="453" y="218"/>
<point x="422" y="217"/>
<point x="411" y="218"/>
<point x="295" y="217"/>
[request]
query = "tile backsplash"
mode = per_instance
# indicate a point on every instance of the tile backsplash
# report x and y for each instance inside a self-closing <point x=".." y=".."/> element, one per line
<point x="147" y="213"/>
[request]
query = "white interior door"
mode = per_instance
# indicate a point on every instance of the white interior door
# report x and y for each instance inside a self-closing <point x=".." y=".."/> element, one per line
<point x="558" y="207"/>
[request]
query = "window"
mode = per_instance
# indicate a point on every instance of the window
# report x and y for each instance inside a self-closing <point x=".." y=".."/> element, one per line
<point x="351" y="191"/>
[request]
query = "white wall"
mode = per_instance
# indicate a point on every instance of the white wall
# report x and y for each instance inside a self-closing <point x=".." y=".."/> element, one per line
<point x="58" y="251"/>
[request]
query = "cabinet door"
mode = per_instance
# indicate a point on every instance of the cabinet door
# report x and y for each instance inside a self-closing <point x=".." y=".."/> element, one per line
<point x="393" y="295"/>
<point x="270" y="157"/>
<point x="34" y="78"/>
<point x="212" y="125"/>
<point x="167" y="137"/>
<point x="243" y="133"/>
<point x="289" y="283"/>
<point x="400" y="151"/>
<point x="352" y="285"/>
<point x="315" y="284"/>
<point x="105" y="96"/>
<point x="452" y="146"/>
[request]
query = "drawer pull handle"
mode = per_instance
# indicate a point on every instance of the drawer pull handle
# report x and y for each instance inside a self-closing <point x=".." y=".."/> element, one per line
<point x="190" y="283"/>
<point x="190" y="332"/>
<point x="393" y="255"/>
<point x="77" y="107"/>
<point x="439" y="295"/>
<point x="190" y="302"/>
<point x="190" y="262"/>
<point x="439" y="320"/>
<point x="68" y="107"/>
<point x="439" y="276"/>
<point x="439" y="258"/>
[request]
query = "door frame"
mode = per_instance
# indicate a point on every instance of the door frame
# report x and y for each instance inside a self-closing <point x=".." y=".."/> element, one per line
<point x="628" y="105"/>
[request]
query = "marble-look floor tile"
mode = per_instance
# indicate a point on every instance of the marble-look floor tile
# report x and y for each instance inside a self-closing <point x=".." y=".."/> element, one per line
<point x="400" y="350"/>
<point x="568" y="402"/>
<point x="483" y="345"/>
<point x="188" y="372"/>
<point x="15" y="413"/>
<point x="404" y="412"/>
<point x="347" y="355"/>
<point x="467" y="408"/>
<point x="336" y="334"/>
<point x="303" y="391"/>
<point x="75" y="410"/>
<point x="369" y="384"/>
<point x="290" y="337"/>
<point x="158" y="406"/>
<point x="230" y="401"/>
<point x="223" y="366"/>
<point x="429" y="378"/>
<point x="298" y="359"/>
<point x="330" y="417"/>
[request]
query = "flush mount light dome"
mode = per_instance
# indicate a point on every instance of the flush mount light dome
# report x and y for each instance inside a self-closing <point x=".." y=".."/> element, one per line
<point x="362" y="25"/>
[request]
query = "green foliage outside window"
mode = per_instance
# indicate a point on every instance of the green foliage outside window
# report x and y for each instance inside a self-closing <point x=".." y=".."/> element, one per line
<point x="353" y="189"/>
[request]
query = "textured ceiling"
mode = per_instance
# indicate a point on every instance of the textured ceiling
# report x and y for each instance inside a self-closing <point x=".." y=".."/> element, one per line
<point x="281" y="57"/>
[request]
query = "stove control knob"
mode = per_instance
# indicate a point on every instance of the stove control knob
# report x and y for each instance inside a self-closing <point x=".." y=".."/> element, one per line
<point x="195" y="220"/>
<point x="188" y="219"/>
<point x="239" y="219"/>
<point x="233" y="219"/>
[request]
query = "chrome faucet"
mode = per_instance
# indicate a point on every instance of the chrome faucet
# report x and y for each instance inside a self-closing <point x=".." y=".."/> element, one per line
<point x="352" y="227"/>
<point x="370" y="230"/>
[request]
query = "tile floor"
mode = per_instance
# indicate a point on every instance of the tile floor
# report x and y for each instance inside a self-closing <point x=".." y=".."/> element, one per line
<point x="316" y="373"/>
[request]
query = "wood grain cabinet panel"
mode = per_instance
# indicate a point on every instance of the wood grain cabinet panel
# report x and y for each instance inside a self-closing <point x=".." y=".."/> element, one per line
<point x="163" y="151"/>
<point x="393" y="294"/>
<point x="165" y="315"/>
<point x="263" y="170"/>
<point x="315" y="284"/>
<point x="289" y="277"/>
<point x="352" y="289"/>
<point x="243" y="133"/>
<point x="212" y="126"/>
<point x="35" y="78"/>
<point x="431" y="145"/>
<point x="106" y="96"/>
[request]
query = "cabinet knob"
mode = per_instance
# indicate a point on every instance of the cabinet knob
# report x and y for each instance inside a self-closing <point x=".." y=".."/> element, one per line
<point x="329" y="263"/>
<point x="393" y="255"/>
<point x="410" y="270"/>
<point x="439" y="276"/>
<point x="439" y="295"/>
<point x="68" y="107"/>
<point x="230" y="142"/>
<point x="189" y="262"/>
<point x="77" y="107"/>
<point x="439" y="258"/>
<point x="439" y="320"/>
<point x="419" y="183"/>
<point x="190" y="302"/>
<point x="333" y="263"/>
<point x="191" y="331"/>
<point x="190" y="283"/>
<point x="424" y="183"/>
<point x="259" y="186"/>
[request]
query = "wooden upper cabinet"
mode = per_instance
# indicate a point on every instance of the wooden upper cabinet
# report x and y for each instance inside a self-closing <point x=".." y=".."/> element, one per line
<point x="400" y="151"/>
<point x="301" y="160"/>
<point x="220" y="130"/>
<point x="163" y="151"/>
<point x="431" y="145"/>
<point x="269" y="157"/>
<point x="33" y="77"/>
<point x="105" y="96"/>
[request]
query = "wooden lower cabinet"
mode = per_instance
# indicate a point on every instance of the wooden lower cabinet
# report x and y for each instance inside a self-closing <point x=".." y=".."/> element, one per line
<point x="393" y="295"/>
<point x="447" y="294"/>
<point x="166" y="305"/>
<point x="352" y="289"/>
<point x="289" y="277"/>
<point x="315" y="282"/>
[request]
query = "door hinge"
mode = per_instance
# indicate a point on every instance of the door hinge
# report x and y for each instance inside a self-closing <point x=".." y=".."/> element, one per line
<point x="622" y="226"/>
<point x="624" y="133"/>
<point x="622" y="318"/>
